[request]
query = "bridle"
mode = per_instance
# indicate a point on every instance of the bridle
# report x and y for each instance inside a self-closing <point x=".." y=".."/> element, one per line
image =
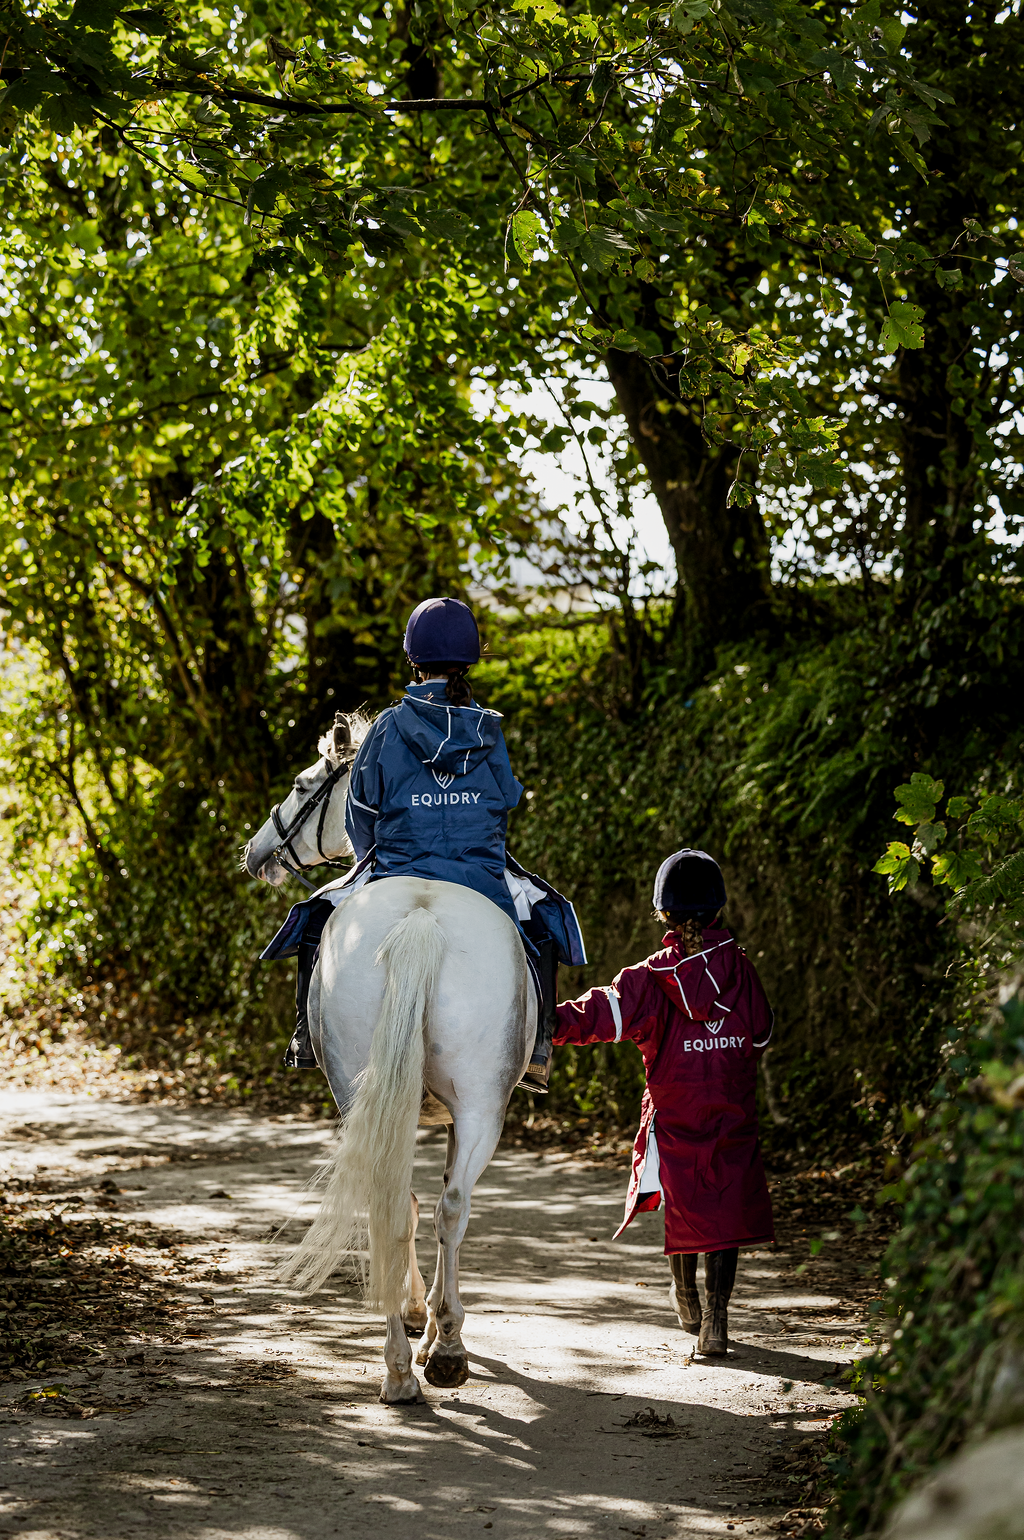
<point x="320" y="798"/>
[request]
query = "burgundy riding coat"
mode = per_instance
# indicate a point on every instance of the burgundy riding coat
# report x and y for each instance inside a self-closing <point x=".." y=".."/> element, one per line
<point x="701" y="1024"/>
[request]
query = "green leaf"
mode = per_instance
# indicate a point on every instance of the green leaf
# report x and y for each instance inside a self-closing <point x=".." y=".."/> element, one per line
<point x="956" y="869"/>
<point x="863" y="20"/>
<point x="67" y="111"/>
<point x="855" y="240"/>
<point x="191" y="174"/>
<point x="594" y="334"/>
<point x="568" y="234"/>
<point x="602" y="246"/>
<point x="830" y="299"/>
<point x="675" y="118"/>
<point x="446" y="224"/>
<point x="996" y="816"/>
<point x="98" y="14"/>
<point x="151" y="22"/>
<point x="397" y="219"/>
<point x="843" y="72"/>
<point x="918" y="120"/>
<point x="949" y="277"/>
<point x="902" y="327"/>
<point x="956" y="807"/>
<point x="539" y="10"/>
<point x="687" y="13"/>
<point x="898" y="865"/>
<point x="893" y="33"/>
<point x="930" y="836"/>
<point x="651" y="220"/>
<point x="525" y="230"/>
<point x="917" y="799"/>
<point x="604" y="77"/>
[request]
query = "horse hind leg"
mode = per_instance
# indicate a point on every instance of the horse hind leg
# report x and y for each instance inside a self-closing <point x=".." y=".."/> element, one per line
<point x="434" y="1297"/>
<point x="445" y="1358"/>
<point x="400" y="1383"/>
<point x="414" y="1310"/>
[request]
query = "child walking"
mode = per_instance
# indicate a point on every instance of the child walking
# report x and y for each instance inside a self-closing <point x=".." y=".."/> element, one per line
<point x="698" y="1014"/>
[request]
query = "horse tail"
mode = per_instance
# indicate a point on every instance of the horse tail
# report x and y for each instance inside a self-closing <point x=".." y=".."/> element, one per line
<point x="370" y="1177"/>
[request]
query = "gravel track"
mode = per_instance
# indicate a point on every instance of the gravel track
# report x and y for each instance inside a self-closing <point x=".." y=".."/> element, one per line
<point x="218" y="1404"/>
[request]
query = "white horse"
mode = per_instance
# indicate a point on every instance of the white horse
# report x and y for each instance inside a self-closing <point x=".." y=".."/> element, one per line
<point x="421" y="1010"/>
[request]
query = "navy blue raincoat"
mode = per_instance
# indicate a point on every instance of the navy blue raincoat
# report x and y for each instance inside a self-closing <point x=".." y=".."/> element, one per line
<point x="430" y="794"/>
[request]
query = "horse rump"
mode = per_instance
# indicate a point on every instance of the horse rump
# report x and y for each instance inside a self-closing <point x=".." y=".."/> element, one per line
<point x="369" y="1179"/>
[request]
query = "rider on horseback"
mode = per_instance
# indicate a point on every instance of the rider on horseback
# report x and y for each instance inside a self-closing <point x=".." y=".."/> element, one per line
<point x="431" y="787"/>
<point x="429" y="796"/>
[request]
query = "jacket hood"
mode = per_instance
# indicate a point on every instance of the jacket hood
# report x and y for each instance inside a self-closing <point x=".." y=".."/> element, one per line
<point x="450" y="740"/>
<point x="718" y="964"/>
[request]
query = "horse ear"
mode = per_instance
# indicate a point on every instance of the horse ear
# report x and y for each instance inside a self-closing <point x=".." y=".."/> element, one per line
<point x="342" y="733"/>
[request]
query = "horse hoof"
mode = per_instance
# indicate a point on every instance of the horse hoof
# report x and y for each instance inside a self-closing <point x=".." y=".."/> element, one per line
<point x="401" y="1392"/>
<point x="446" y="1371"/>
<point x="415" y="1323"/>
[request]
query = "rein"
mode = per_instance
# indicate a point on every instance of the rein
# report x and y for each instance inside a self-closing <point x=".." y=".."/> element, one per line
<point x="321" y="799"/>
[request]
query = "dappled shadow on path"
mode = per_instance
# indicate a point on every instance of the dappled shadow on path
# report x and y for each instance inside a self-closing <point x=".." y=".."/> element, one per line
<point x="264" y="1421"/>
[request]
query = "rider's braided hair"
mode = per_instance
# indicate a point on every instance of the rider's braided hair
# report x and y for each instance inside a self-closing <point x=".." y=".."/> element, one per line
<point x="689" y="928"/>
<point x="458" y="689"/>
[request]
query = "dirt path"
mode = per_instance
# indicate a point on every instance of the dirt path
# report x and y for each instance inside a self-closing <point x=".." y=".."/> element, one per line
<point x="219" y="1405"/>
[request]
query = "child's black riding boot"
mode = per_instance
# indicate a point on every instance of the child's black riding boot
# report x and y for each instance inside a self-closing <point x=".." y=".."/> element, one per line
<point x="300" y="1049"/>
<point x="719" y="1277"/>
<point x="535" y="1076"/>
<point x="682" y="1291"/>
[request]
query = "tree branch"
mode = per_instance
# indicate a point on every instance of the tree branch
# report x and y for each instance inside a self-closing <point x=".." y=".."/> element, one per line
<point x="199" y="86"/>
<point x="149" y="592"/>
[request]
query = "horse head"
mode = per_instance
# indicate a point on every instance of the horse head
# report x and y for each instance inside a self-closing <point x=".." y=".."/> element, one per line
<point x="307" y="828"/>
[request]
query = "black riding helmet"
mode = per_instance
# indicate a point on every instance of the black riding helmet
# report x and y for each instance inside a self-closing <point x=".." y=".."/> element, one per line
<point x="690" y="883"/>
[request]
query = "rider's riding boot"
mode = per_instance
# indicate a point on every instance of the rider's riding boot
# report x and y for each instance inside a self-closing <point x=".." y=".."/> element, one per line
<point x="535" y="1076"/>
<point x="682" y="1291"/>
<point x="719" y="1277"/>
<point x="300" y="1050"/>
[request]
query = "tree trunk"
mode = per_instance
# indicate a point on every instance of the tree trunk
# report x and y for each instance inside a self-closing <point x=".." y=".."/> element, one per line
<point x="721" y="552"/>
<point x="940" y="467"/>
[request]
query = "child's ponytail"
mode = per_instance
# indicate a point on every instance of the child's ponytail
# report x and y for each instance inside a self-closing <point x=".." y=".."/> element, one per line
<point x="689" y="927"/>
<point x="458" y="689"/>
<point x="690" y="938"/>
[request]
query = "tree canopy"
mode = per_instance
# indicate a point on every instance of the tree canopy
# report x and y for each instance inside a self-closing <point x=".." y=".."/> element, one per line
<point x="267" y="275"/>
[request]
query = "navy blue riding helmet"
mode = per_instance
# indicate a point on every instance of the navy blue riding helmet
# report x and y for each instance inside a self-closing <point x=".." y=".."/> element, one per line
<point x="442" y="631"/>
<point x="689" y="882"/>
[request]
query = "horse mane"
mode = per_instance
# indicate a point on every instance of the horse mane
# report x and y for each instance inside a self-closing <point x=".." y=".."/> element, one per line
<point x="348" y="732"/>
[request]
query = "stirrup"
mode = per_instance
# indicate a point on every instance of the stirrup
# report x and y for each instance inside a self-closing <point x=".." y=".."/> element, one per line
<point x="298" y="1055"/>
<point x="536" y="1076"/>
